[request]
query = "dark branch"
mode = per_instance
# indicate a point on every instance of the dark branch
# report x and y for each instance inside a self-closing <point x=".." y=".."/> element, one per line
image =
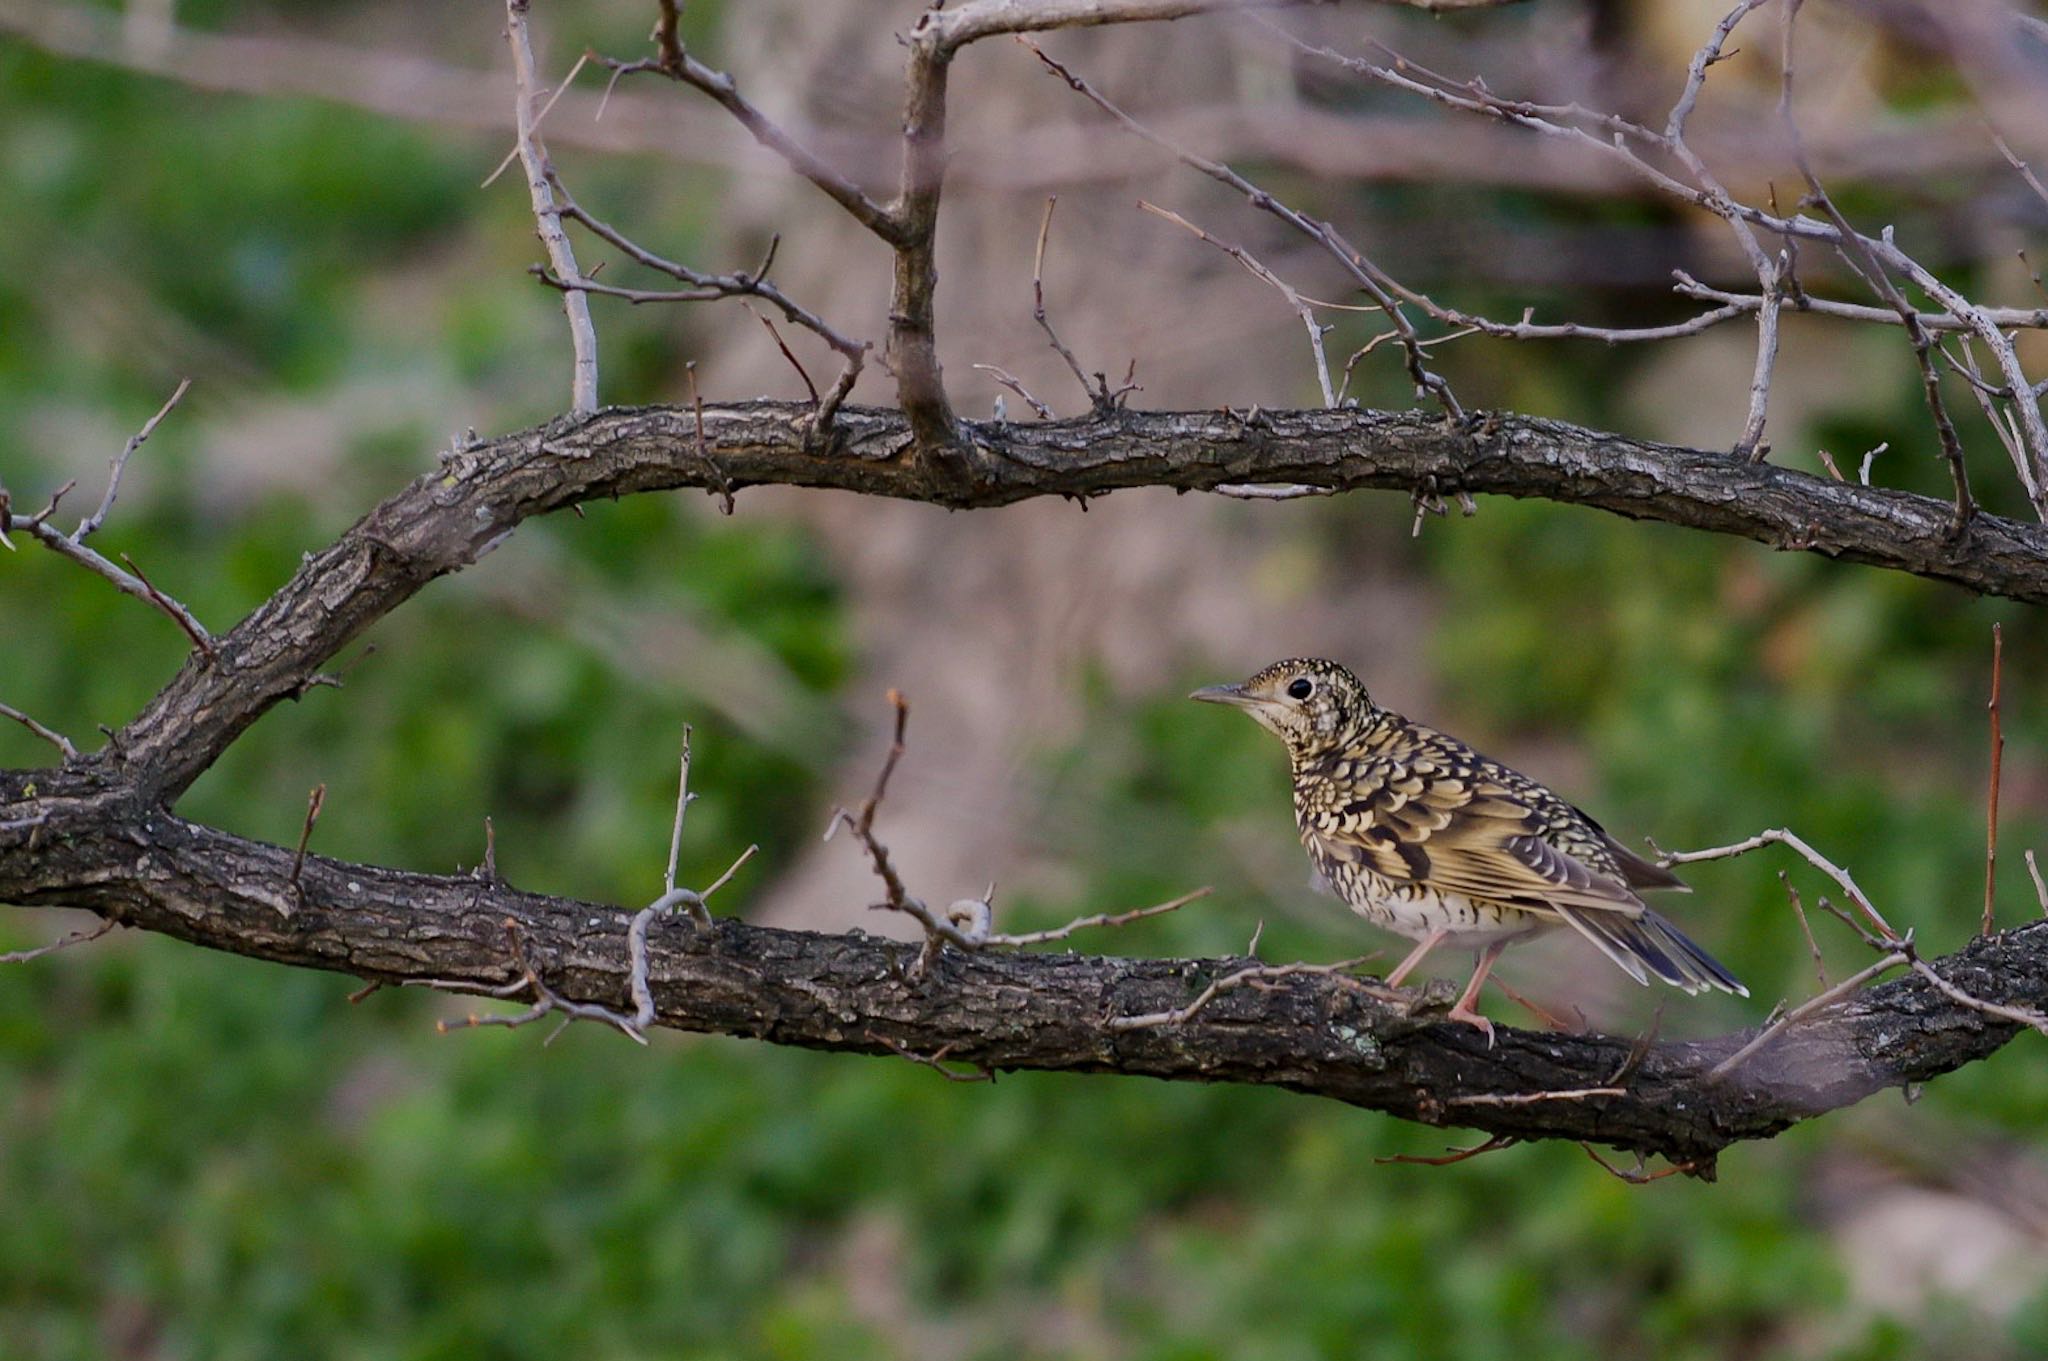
<point x="451" y="517"/>
<point x="1310" y="1032"/>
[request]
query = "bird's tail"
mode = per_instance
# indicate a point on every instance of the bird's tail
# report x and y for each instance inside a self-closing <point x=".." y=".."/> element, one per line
<point x="1637" y="942"/>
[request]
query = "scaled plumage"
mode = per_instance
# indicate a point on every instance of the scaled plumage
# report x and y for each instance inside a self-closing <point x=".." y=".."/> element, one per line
<point x="1421" y="834"/>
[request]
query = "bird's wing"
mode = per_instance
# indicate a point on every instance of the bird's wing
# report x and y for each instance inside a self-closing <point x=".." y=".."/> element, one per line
<point x="1468" y="835"/>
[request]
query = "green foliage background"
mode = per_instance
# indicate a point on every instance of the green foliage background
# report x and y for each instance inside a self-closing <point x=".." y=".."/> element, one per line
<point x="205" y="1157"/>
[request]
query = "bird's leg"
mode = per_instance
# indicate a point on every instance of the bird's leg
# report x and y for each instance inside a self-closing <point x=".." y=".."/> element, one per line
<point x="1422" y="947"/>
<point x="1463" y="1011"/>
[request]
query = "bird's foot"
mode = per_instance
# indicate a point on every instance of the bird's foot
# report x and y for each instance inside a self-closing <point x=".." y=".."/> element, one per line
<point x="1465" y="1014"/>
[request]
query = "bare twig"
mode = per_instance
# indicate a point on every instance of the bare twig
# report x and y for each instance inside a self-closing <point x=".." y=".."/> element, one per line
<point x="1531" y="1098"/>
<point x="50" y="735"/>
<point x="1782" y="837"/>
<point x="1300" y="305"/>
<point x="2040" y="885"/>
<point x="547" y="217"/>
<point x="1808" y="1008"/>
<point x="1099" y="919"/>
<point x="119" y="464"/>
<point x="201" y="639"/>
<point x="1364" y="273"/>
<point x="313" y="804"/>
<point x="1820" y="968"/>
<point x="1991" y="797"/>
<point x="1456" y="1155"/>
<point x="936" y="1061"/>
<point x="1097" y="396"/>
<point x="62" y="943"/>
<point x="1252" y="976"/>
<point x="683" y="798"/>
<point x="1639" y="1176"/>
<point x="1016" y="385"/>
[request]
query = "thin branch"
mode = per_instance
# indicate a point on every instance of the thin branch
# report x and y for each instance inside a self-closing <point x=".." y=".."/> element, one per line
<point x="1099" y="919"/>
<point x="119" y="464"/>
<point x="2040" y="885"/>
<point x="1780" y="836"/>
<point x="314" y="801"/>
<point x="1991" y="797"/>
<point x="1364" y="273"/>
<point x="1252" y="976"/>
<point x="547" y="218"/>
<point x="1805" y="1009"/>
<point x="62" y="943"/>
<point x="1294" y="300"/>
<point x="1098" y="397"/>
<point x="50" y="735"/>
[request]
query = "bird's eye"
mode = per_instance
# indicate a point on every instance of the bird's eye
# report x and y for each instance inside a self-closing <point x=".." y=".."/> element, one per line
<point x="1301" y="688"/>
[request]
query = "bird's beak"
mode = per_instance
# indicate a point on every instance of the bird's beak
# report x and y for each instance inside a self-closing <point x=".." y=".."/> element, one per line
<point x="1224" y="694"/>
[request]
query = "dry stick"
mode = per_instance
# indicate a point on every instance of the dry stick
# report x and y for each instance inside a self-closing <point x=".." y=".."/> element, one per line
<point x="683" y="797"/>
<point x="313" y="805"/>
<point x="63" y="943"/>
<point x="50" y="735"/>
<point x="1363" y="272"/>
<point x="1531" y="1098"/>
<point x="1768" y="272"/>
<point x="723" y="484"/>
<point x="1255" y="975"/>
<point x="1638" y="1176"/>
<point x="1997" y="761"/>
<point x="794" y="363"/>
<point x="704" y="287"/>
<point x="119" y="464"/>
<point x="2040" y="885"/>
<point x="2026" y="318"/>
<point x="1858" y="253"/>
<point x="1808" y="1008"/>
<point x="1294" y="300"/>
<point x="1820" y="968"/>
<point x="201" y="639"/>
<point x="1782" y="837"/>
<point x="1455" y="1155"/>
<point x="1098" y="397"/>
<point x="1615" y="138"/>
<point x="1099" y="919"/>
<point x="936" y="1060"/>
<point x="1016" y="385"/>
<point x="638" y="983"/>
<point x="129" y="583"/>
<point x="547" y="219"/>
<point x="542" y="117"/>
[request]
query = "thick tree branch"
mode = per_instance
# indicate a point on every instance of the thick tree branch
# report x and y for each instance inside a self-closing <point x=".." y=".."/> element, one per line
<point x="451" y="517"/>
<point x="1308" y="1032"/>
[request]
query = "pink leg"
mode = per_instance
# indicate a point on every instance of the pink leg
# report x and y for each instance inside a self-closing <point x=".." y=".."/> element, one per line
<point x="1423" y="947"/>
<point x="1463" y="1010"/>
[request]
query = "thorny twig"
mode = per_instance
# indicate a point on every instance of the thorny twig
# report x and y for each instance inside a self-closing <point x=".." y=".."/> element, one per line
<point x="50" y="735"/>
<point x="314" y="801"/>
<point x="1252" y="976"/>
<point x="547" y="216"/>
<point x="119" y="464"/>
<point x="1455" y="1155"/>
<point x="1300" y="305"/>
<point x="62" y="943"/>
<point x="1991" y="797"/>
<point x="546" y="1000"/>
<point x="936" y="1061"/>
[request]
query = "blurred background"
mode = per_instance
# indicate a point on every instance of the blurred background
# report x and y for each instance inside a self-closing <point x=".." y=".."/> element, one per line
<point x="202" y="1156"/>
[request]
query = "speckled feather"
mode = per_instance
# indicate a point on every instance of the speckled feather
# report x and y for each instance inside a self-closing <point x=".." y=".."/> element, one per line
<point x="1416" y="831"/>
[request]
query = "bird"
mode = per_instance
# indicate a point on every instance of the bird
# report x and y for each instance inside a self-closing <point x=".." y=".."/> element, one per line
<point x="1422" y="835"/>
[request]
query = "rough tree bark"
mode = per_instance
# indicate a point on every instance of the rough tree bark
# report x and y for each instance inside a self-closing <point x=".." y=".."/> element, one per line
<point x="97" y="832"/>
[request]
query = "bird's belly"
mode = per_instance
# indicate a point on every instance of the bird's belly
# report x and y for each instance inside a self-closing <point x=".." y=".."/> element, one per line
<point x="1415" y="910"/>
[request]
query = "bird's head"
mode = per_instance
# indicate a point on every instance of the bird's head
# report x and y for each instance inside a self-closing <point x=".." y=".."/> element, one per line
<point x="1306" y="702"/>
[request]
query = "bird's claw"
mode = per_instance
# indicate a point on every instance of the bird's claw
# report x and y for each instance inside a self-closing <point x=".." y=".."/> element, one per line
<point x="1470" y="1017"/>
